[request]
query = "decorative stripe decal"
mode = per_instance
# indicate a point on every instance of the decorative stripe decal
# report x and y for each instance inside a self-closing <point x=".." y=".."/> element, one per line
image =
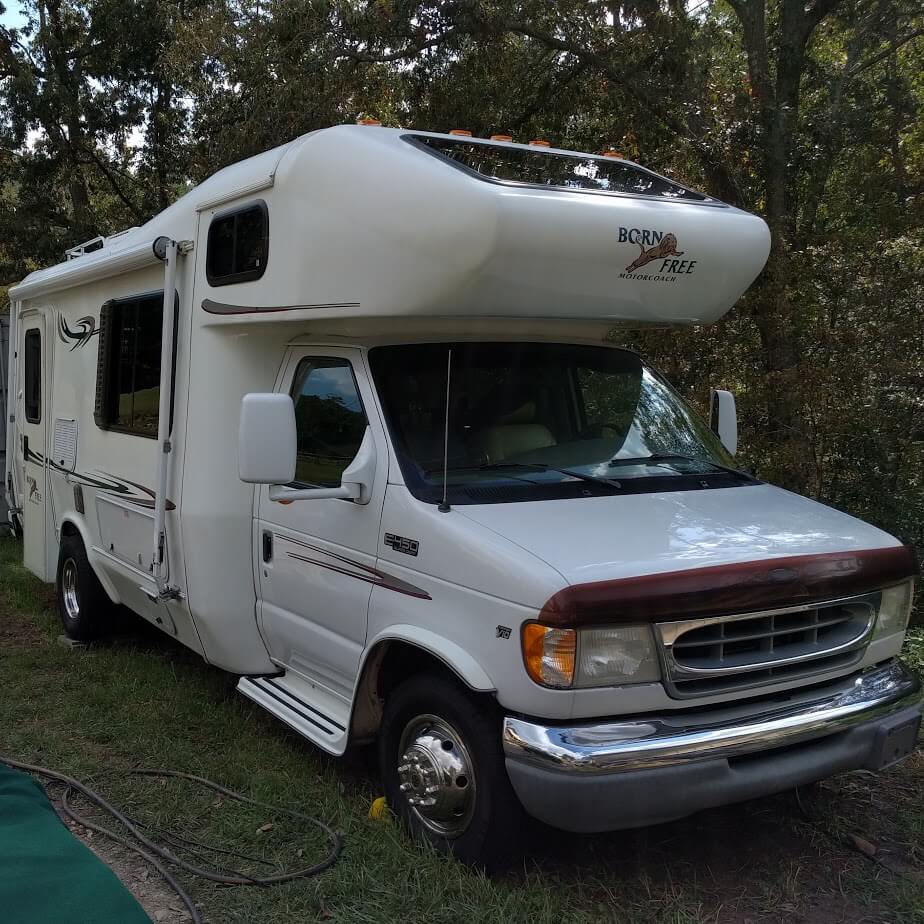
<point x="722" y="590"/>
<point x="366" y="573"/>
<point x="222" y="308"/>
<point x="105" y="482"/>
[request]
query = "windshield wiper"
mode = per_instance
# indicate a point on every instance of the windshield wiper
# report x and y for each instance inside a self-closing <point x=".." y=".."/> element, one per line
<point x="657" y="457"/>
<point x="542" y="467"/>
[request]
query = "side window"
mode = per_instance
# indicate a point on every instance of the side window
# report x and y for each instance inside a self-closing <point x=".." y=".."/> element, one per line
<point x="238" y="245"/>
<point x="32" y="374"/>
<point x="128" y="374"/>
<point x="329" y="419"/>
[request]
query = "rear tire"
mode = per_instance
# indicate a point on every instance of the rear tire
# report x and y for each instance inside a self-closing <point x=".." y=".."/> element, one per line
<point x="443" y="768"/>
<point x="83" y="604"/>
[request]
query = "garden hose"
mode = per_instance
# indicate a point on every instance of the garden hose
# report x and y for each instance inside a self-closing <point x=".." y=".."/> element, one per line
<point x="154" y="853"/>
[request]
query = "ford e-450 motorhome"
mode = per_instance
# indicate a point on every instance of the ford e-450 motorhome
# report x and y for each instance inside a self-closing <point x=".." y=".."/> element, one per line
<point x="348" y="419"/>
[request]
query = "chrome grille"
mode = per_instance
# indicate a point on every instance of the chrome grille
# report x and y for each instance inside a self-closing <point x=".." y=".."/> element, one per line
<point x="718" y="654"/>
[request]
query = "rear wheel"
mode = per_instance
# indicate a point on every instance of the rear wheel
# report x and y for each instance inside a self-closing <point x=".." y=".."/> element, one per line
<point x="443" y="768"/>
<point x="83" y="604"/>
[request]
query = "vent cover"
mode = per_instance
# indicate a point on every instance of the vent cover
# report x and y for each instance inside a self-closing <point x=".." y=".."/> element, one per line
<point x="65" y="444"/>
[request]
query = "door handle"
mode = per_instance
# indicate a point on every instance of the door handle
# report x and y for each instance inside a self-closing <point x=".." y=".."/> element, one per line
<point x="267" y="545"/>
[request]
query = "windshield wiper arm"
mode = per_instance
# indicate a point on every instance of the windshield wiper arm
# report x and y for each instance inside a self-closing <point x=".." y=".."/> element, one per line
<point x="656" y="457"/>
<point x="542" y="467"/>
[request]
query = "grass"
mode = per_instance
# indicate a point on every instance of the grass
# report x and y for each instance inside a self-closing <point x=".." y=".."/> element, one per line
<point x="142" y="700"/>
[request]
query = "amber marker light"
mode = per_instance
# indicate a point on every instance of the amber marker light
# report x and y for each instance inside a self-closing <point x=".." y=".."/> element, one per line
<point x="464" y="132"/>
<point x="540" y="143"/>
<point x="549" y="654"/>
<point x="501" y="138"/>
<point x="368" y="122"/>
<point x="617" y="155"/>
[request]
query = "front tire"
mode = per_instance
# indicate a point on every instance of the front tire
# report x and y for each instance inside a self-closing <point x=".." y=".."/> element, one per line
<point x="442" y="765"/>
<point x="83" y="604"/>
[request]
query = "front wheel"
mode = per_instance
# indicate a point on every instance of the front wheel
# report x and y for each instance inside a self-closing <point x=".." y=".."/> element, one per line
<point x="443" y="768"/>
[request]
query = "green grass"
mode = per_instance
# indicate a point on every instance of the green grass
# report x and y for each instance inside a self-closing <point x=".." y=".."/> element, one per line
<point x="142" y="700"/>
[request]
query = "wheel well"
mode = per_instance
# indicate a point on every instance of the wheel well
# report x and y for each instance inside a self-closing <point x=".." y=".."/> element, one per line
<point x="68" y="529"/>
<point x="388" y="664"/>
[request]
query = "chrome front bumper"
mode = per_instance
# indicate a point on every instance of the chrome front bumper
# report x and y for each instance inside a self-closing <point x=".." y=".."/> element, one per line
<point x="581" y="777"/>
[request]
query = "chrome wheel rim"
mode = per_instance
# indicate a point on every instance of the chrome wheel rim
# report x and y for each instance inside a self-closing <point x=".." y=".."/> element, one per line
<point x="436" y="775"/>
<point x="69" y="589"/>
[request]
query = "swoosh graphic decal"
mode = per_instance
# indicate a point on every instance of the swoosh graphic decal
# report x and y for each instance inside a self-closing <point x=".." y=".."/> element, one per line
<point x="365" y="573"/>
<point x="77" y="338"/>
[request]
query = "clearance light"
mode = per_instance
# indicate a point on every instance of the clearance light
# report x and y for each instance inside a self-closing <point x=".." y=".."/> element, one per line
<point x="611" y="153"/>
<point x="540" y="143"/>
<point x="368" y="122"/>
<point x="461" y="131"/>
<point x="501" y="137"/>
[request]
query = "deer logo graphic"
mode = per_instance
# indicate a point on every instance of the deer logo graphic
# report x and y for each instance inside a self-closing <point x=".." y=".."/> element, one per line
<point x="666" y="247"/>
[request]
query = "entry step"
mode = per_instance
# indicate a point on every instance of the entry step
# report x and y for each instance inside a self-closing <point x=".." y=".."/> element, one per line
<point x="311" y="711"/>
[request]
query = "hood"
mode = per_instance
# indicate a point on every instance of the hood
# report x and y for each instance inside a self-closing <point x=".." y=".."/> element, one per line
<point x="622" y="536"/>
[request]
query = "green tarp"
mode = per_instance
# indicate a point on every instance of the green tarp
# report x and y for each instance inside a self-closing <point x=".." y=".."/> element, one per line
<point x="46" y="875"/>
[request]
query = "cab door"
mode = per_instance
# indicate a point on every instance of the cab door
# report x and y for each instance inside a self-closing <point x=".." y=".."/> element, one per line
<point x="317" y="557"/>
<point x="32" y="412"/>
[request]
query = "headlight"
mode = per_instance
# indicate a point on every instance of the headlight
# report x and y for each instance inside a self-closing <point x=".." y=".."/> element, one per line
<point x="593" y="657"/>
<point x="894" y="609"/>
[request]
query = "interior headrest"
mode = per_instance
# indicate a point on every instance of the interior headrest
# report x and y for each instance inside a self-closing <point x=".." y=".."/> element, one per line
<point x="524" y="414"/>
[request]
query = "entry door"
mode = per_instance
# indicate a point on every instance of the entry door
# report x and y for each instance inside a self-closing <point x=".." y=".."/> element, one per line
<point x="33" y="413"/>
<point x="317" y="557"/>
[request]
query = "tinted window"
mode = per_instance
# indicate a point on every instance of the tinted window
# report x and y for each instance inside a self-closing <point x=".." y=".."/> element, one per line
<point x="329" y="419"/>
<point x="563" y="171"/>
<point x="238" y="245"/>
<point x="128" y="393"/>
<point x="32" y="362"/>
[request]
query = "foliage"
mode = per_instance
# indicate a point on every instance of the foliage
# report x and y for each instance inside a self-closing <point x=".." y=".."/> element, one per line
<point x="805" y="112"/>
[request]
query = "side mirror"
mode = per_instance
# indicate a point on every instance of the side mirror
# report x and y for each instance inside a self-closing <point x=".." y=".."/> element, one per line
<point x="266" y="439"/>
<point x="267" y="445"/>
<point x="723" y="419"/>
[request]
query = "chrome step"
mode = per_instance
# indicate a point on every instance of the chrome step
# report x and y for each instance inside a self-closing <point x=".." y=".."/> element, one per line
<point x="312" y="712"/>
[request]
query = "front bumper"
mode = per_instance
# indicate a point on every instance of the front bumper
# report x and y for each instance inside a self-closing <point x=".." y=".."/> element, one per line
<point x="646" y="770"/>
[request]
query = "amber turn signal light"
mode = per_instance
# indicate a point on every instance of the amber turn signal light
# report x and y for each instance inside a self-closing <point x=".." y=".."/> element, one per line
<point x="549" y="654"/>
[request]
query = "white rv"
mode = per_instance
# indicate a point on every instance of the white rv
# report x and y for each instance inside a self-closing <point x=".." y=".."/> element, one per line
<point x="345" y="420"/>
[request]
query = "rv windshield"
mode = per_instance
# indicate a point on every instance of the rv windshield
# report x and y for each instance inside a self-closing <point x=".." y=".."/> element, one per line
<point x="529" y="421"/>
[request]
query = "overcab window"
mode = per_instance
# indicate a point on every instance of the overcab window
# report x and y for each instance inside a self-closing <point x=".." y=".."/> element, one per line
<point x="238" y="245"/>
<point x="128" y="372"/>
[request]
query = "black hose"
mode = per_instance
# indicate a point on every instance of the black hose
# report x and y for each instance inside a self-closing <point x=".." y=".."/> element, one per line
<point x="154" y="852"/>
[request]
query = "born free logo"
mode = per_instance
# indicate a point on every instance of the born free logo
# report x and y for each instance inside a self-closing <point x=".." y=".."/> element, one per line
<point x="655" y="247"/>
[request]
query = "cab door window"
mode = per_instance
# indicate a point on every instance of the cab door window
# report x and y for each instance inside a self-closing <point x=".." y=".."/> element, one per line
<point x="329" y="419"/>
